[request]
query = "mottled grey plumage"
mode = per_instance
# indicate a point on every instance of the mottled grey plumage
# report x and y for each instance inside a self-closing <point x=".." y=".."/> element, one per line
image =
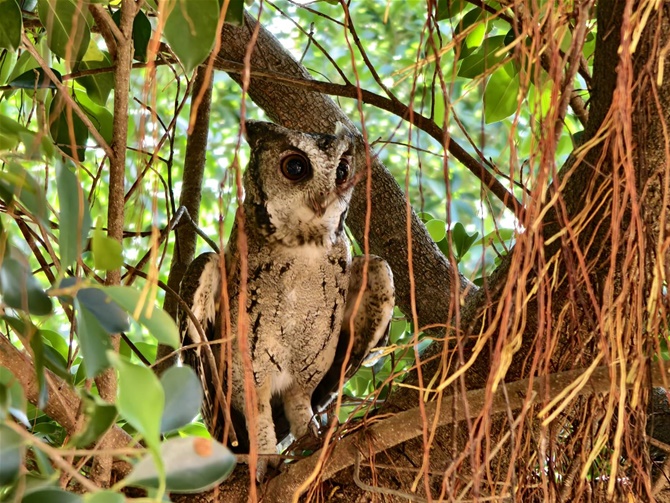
<point x="297" y="191"/>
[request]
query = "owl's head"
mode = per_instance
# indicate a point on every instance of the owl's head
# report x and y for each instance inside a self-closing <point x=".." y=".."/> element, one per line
<point x="298" y="185"/>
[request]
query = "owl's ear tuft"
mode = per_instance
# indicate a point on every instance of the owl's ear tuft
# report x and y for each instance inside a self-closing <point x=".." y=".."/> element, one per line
<point x="254" y="131"/>
<point x="257" y="131"/>
<point x="341" y="130"/>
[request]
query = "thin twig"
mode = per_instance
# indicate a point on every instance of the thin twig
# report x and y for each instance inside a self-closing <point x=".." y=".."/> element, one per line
<point x="54" y="454"/>
<point x="398" y="108"/>
<point x="66" y="96"/>
<point x="382" y="490"/>
<point x="408" y="424"/>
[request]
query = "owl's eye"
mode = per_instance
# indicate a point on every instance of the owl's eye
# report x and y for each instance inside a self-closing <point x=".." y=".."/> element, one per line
<point x="295" y="167"/>
<point x="342" y="174"/>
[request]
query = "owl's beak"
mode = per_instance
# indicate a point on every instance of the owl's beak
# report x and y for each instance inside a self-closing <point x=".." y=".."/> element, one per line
<point x="318" y="203"/>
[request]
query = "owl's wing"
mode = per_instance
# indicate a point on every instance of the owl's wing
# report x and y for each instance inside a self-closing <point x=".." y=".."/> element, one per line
<point x="371" y="323"/>
<point x="200" y="290"/>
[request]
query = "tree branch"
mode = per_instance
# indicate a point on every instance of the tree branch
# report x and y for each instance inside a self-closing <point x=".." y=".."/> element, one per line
<point x="69" y="100"/>
<point x="307" y="110"/>
<point x="381" y="434"/>
<point x="63" y="403"/>
<point x="397" y="108"/>
<point x="191" y="194"/>
<point x="106" y="382"/>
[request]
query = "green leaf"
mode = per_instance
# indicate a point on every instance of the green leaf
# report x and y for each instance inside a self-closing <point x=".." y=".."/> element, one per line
<point x="20" y="289"/>
<point x="68" y="32"/>
<point x="444" y="247"/>
<point x="104" y="497"/>
<point x="476" y="36"/>
<point x="183" y="397"/>
<point x="140" y="399"/>
<point x="437" y="229"/>
<point x="43" y="463"/>
<point x="475" y="23"/>
<point x="56" y="341"/>
<point x="190" y="30"/>
<point x="12" y="398"/>
<point x="50" y="495"/>
<point x="589" y="46"/>
<point x="192" y="465"/>
<point x="55" y="362"/>
<point x="11" y="133"/>
<point x="67" y="130"/>
<point x="35" y="78"/>
<point x="496" y="236"/>
<point x="100" y="416"/>
<point x="194" y="430"/>
<point x="100" y="117"/>
<point x="565" y="146"/>
<point x="80" y="374"/>
<point x="462" y="240"/>
<point x="147" y="349"/>
<point x="11" y="454"/>
<point x="500" y="96"/>
<point x="235" y="12"/>
<point x="100" y="85"/>
<point x="449" y="8"/>
<point x="539" y="100"/>
<point x="144" y="311"/>
<point x="439" y="109"/>
<point x="141" y="33"/>
<point x="24" y="63"/>
<point x="398" y="329"/>
<point x="425" y="217"/>
<point x="74" y="219"/>
<point x="484" y="58"/>
<point x="93" y="340"/>
<point x="7" y="61"/>
<point x="11" y="24"/>
<point x="107" y="252"/>
<point x="18" y="182"/>
<point x="39" y="361"/>
<point x="111" y="317"/>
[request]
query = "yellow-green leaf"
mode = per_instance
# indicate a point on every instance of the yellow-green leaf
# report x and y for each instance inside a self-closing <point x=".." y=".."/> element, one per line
<point x="11" y="24"/>
<point x="74" y="218"/>
<point x="500" y="96"/>
<point x="100" y="85"/>
<point x="143" y="310"/>
<point x="107" y="252"/>
<point x="68" y="32"/>
<point x="190" y="30"/>
<point x="140" y="399"/>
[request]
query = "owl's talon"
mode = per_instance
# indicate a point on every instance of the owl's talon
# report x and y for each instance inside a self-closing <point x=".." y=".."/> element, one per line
<point x="314" y="429"/>
<point x="261" y="470"/>
<point x="267" y="467"/>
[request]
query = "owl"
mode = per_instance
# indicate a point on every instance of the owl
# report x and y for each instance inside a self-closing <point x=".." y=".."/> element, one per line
<point x="289" y="246"/>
